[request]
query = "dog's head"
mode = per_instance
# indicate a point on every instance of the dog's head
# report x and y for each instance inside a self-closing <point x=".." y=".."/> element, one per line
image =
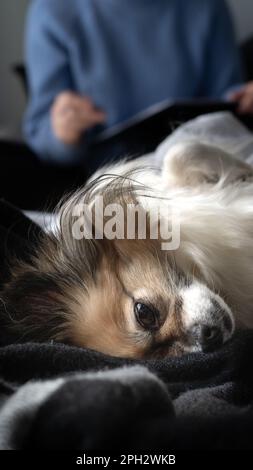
<point x="141" y="305"/>
<point x="123" y="297"/>
<point x="133" y="298"/>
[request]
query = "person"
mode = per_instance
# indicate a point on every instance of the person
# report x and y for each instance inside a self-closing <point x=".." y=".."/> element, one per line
<point x="94" y="63"/>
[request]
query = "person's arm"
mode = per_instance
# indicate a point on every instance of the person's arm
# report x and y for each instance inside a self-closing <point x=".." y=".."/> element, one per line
<point x="55" y="119"/>
<point x="222" y="66"/>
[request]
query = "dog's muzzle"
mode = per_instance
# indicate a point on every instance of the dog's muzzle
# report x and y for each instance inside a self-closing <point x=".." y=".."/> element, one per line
<point x="211" y="337"/>
<point x="207" y="319"/>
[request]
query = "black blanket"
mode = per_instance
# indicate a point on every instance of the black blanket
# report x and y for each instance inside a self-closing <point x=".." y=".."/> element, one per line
<point x="54" y="396"/>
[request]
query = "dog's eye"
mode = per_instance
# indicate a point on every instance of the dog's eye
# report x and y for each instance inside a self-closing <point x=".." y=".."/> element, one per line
<point x="147" y="317"/>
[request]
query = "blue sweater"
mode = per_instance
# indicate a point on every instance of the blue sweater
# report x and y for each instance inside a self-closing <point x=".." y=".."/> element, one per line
<point x="126" y="55"/>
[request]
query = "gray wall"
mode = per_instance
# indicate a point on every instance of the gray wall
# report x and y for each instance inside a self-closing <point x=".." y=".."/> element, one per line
<point x="12" y="15"/>
<point x="12" y="99"/>
<point x="243" y="13"/>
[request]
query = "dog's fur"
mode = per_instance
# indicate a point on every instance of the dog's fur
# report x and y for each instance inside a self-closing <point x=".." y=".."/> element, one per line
<point x="90" y="292"/>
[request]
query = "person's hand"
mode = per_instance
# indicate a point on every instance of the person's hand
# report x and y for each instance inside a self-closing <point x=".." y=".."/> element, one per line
<point x="72" y="115"/>
<point x="244" y="98"/>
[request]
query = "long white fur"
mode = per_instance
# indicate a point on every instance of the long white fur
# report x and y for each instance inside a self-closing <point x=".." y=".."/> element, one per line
<point x="213" y="193"/>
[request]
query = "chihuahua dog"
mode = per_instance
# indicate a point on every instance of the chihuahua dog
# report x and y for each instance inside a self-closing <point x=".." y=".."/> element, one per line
<point x="125" y="295"/>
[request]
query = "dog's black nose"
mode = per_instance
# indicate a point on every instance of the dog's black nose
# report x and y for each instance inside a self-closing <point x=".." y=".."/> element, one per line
<point x="209" y="337"/>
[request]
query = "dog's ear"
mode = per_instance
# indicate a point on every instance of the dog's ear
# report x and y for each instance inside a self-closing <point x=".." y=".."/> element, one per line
<point x="33" y="304"/>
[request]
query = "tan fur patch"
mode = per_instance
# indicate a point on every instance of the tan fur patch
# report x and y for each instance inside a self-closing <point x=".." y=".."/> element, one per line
<point x="104" y="318"/>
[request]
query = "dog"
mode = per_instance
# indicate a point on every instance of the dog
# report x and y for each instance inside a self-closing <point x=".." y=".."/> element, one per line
<point x="129" y="297"/>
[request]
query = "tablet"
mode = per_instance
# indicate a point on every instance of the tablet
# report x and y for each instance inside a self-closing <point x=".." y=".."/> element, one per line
<point x="164" y="113"/>
<point x="142" y="133"/>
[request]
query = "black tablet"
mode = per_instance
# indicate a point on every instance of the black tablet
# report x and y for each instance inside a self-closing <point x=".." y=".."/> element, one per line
<point x="142" y="133"/>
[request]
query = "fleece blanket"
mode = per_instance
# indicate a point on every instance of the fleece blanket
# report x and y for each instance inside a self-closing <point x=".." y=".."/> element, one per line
<point x="54" y="396"/>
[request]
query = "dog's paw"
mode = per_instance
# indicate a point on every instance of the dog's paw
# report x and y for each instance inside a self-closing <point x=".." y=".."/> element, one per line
<point x="190" y="164"/>
<point x="193" y="164"/>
